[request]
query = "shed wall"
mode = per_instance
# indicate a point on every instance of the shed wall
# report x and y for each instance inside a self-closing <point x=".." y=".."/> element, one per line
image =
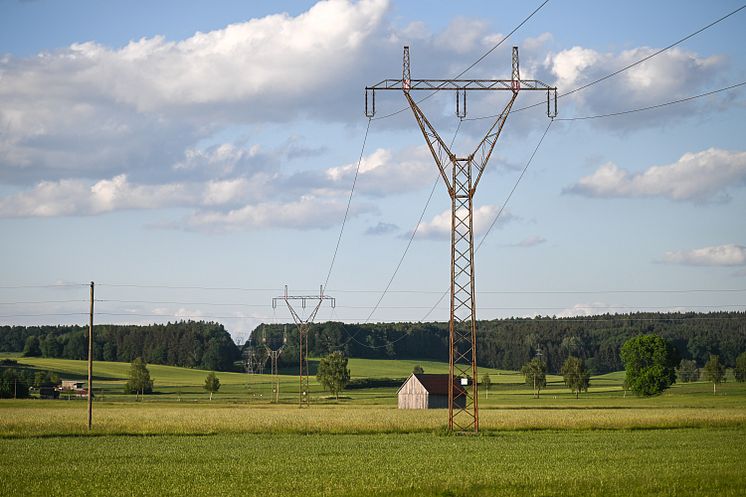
<point x="412" y="395"/>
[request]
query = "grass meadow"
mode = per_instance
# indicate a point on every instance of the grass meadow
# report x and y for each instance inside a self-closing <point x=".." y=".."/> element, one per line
<point x="686" y="441"/>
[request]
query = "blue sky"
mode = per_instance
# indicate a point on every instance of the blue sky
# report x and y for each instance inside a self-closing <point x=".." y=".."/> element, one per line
<point x="213" y="145"/>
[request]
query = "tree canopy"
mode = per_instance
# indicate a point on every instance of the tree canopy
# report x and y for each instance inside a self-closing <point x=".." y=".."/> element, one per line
<point x="714" y="372"/>
<point x="333" y="372"/>
<point x="535" y="374"/>
<point x="687" y="371"/>
<point x="576" y="376"/>
<point x="139" y="381"/>
<point x="212" y="383"/>
<point x="650" y="364"/>
<point x="740" y="370"/>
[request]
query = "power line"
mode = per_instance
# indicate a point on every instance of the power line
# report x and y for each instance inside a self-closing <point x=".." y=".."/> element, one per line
<point x="52" y="285"/>
<point x="414" y="231"/>
<point x="182" y="287"/>
<point x="502" y="208"/>
<point x="501" y="41"/>
<point x="627" y="67"/>
<point x="482" y="57"/>
<point x="651" y="107"/>
<point x="347" y="210"/>
<point x="33" y="302"/>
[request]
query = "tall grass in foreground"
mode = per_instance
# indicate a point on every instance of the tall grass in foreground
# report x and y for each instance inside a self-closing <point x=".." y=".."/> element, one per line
<point x="619" y="463"/>
<point x="37" y="419"/>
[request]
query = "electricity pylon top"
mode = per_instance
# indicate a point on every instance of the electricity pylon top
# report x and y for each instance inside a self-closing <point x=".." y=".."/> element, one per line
<point x="461" y="175"/>
<point x="302" y="324"/>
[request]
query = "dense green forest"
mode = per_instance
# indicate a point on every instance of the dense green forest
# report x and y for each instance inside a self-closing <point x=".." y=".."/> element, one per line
<point x="501" y="343"/>
<point x="510" y="343"/>
<point x="193" y="344"/>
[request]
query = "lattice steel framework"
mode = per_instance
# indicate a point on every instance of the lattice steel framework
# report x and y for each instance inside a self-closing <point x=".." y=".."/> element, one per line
<point x="302" y="324"/>
<point x="274" y="357"/>
<point x="461" y="176"/>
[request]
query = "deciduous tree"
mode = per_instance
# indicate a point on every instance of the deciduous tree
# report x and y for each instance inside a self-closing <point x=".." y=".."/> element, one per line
<point x="212" y="383"/>
<point x="139" y="381"/>
<point x="333" y="372"/>
<point x="687" y="371"/>
<point x="740" y="370"/>
<point x="714" y="372"/>
<point x="535" y="373"/>
<point x="649" y="361"/>
<point x="576" y="376"/>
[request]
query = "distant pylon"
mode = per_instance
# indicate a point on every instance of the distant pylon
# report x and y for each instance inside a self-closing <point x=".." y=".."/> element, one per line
<point x="302" y="324"/>
<point x="274" y="356"/>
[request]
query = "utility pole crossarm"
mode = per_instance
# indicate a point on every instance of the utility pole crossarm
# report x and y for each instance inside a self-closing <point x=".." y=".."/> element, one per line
<point x="459" y="84"/>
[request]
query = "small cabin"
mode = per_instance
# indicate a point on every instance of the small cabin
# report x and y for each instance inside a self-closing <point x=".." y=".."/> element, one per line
<point x="72" y="385"/>
<point x="429" y="391"/>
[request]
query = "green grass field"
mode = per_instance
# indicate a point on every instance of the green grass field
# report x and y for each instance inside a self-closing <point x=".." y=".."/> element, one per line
<point x="686" y="441"/>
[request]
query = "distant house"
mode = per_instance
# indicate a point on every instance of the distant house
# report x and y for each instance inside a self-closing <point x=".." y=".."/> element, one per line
<point x="428" y="391"/>
<point x="74" y="387"/>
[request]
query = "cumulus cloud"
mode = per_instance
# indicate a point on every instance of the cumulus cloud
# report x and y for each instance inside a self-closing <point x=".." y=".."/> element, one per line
<point x="440" y="225"/>
<point x="306" y="213"/>
<point x="88" y="109"/>
<point x="76" y="197"/>
<point x="673" y="74"/>
<point x="700" y="177"/>
<point x="718" y="255"/>
<point x="384" y="172"/>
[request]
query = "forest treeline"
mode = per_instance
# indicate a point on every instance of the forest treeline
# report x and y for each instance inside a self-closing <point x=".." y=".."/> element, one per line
<point x="192" y="344"/>
<point x="501" y="343"/>
<point x="511" y="343"/>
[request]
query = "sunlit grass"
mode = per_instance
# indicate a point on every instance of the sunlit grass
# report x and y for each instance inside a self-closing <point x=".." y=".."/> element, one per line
<point x="548" y="463"/>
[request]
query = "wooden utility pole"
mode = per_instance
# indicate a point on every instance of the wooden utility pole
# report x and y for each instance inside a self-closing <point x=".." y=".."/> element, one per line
<point x="90" y="364"/>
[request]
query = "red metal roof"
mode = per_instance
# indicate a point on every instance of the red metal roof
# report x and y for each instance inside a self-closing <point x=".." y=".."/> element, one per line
<point x="437" y="384"/>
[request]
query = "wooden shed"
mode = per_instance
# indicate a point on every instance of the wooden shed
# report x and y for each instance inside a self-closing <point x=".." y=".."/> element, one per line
<point x="428" y="391"/>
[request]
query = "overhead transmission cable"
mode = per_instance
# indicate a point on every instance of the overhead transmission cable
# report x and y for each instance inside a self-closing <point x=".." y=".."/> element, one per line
<point x="627" y="67"/>
<point x="480" y="59"/>
<point x="412" y="235"/>
<point x="652" y="107"/>
<point x="500" y="211"/>
<point x="347" y="210"/>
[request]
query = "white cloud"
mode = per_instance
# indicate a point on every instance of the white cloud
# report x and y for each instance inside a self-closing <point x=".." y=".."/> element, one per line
<point x="672" y="74"/>
<point x="589" y="309"/>
<point x="462" y="35"/>
<point x="306" y="213"/>
<point x="76" y="197"/>
<point x="91" y="110"/>
<point x="440" y="225"/>
<point x="700" y="177"/>
<point x="384" y="172"/>
<point x="719" y="255"/>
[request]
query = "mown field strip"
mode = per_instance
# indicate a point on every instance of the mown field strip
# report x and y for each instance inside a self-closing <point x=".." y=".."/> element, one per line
<point x="53" y="419"/>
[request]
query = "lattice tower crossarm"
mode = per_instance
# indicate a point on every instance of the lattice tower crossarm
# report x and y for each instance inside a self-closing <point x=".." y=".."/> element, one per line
<point x="302" y="324"/>
<point x="461" y="175"/>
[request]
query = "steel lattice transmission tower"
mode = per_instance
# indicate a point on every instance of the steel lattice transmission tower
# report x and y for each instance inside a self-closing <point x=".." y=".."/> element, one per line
<point x="461" y="175"/>
<point x="274" y="356"/>
<point x="302" y="324"/>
